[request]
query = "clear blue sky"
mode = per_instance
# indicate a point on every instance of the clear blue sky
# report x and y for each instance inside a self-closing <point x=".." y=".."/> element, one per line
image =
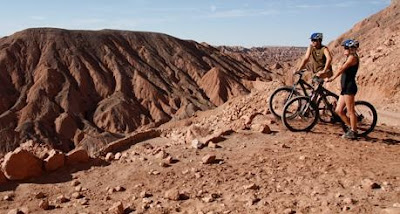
<point x="217" y="22"/>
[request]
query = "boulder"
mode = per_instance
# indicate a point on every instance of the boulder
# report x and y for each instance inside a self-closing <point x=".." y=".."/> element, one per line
<point x="21" y="164"/>
<point x="54" y="161"/>
<point x="77" y="156"/>
<point x="262" y="128"/>
<point x="3" y="178"/>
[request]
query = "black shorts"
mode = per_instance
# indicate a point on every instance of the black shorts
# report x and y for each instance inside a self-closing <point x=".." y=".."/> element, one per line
<point x="350" y="88"/>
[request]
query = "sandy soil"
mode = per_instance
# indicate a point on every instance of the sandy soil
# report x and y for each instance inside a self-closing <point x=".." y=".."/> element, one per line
<point x="281" y="172"/>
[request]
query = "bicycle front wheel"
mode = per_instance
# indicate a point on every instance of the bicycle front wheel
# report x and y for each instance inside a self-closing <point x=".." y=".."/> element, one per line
<point x="300" y="114"/>
<point x="366" y="117"/>
<point x="279" y="98"/>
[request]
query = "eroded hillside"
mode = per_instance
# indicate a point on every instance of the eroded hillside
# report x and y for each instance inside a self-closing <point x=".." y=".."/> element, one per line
<point x="69" y="88"/>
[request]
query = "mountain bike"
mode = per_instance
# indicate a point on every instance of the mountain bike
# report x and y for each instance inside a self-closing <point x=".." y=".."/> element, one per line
<point x="303" y="112"/>
<point x="282" y="95"/>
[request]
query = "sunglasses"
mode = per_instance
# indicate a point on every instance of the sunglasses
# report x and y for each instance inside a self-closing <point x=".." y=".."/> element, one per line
<point x="346" y="48"/>
<point x="314" y="40"/>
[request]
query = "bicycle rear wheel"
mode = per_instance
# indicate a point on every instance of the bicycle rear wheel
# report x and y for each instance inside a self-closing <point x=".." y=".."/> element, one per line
<point x="300" y="114"/>
<point x="366" y="118"/>
<point x="279" y="98"/>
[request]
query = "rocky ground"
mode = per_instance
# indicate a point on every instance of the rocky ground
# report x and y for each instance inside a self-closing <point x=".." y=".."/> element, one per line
<point x="244" y="172"/>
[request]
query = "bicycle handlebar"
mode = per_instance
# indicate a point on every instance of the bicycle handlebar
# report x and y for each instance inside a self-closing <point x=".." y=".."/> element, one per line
<point x="318" y="80"/>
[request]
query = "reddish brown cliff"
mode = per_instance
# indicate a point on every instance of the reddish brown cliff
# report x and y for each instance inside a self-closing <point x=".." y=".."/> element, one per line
<point x="66" y="88"/>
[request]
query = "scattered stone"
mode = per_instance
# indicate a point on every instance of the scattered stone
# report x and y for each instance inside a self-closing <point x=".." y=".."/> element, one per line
<point x="345" y="208"/>
<point x="349" y="201"/>
<point x="369" y="184"/>
<point x="22" y="210"/>
<point x="76" y="195"/>
<point x="162" y="154"/>
<point x="154" y="172"/>
<point x="289" y="211"/>
<point x="212" y="145"/>
<point x="110" y="190"/>
<point x="208" y="159"/>
<point x="164" y="164"/>
<point x="9" y="197"/>
<point x="109" y="157"/>
<point x="262" y="128"/>
<point x="216" y="137"/>
<point x="145" y="194"/>
<point x="84" y="201"/>
<point x="198" y="175"/>
<point x="253" y="199"/>
<point x="146" y="203"/>
<point x="174" y="195"/>
<point x="197" y="144"/>
<point x="78" y="188"/>
<point x="40" y="195"/>
<point x="120" y="188"/>
<point x="208" y="199"/>
<point x="251" y="186"/>
<point x="62" y="199"/>
<point x="44" y="204"/>
<point x="169" y="160"/>
<point x="75" y="183"/>
<point x="117" y="208"/>
<point x="118" y="156"/>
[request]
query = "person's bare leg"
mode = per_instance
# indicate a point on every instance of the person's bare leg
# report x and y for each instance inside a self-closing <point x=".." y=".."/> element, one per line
<point x="340" y="110"/>
<point x="349" y="100"/>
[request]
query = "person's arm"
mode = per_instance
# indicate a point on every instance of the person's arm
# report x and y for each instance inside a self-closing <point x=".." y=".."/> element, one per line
<point x="351" y="60"/>
<point x="305" y="59"/>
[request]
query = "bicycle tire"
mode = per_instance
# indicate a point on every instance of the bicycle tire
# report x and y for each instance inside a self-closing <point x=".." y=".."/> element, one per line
<point x="364" y="125"/>
<point x="276" y="110"/>
<point x="327" y="110"/>
<point x="297" y="111"/>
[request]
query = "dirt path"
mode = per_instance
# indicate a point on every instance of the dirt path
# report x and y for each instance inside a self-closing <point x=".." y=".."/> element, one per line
<point x="389" y="118"/>
<point x="282" y="172"/>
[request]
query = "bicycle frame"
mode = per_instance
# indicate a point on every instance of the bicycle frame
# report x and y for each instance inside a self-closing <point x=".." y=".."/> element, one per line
<point x="303" y="84"/>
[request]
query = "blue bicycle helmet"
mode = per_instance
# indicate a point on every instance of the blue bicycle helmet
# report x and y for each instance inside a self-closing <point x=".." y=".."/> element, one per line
<point x="316" y="36"/>
<point x="350" y="43"/>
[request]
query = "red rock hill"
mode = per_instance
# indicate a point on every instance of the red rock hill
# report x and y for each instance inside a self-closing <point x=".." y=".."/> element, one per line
<point x="67" y="88"/>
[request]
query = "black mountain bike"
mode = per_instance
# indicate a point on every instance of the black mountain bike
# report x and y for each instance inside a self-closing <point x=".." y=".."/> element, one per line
<point x="301" y="113"/>
<point x="282" y="95"/>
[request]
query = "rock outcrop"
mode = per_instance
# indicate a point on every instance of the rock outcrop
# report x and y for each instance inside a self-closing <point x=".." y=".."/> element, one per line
<point x="69" y="88"/>
<point x="21" y="164"/>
